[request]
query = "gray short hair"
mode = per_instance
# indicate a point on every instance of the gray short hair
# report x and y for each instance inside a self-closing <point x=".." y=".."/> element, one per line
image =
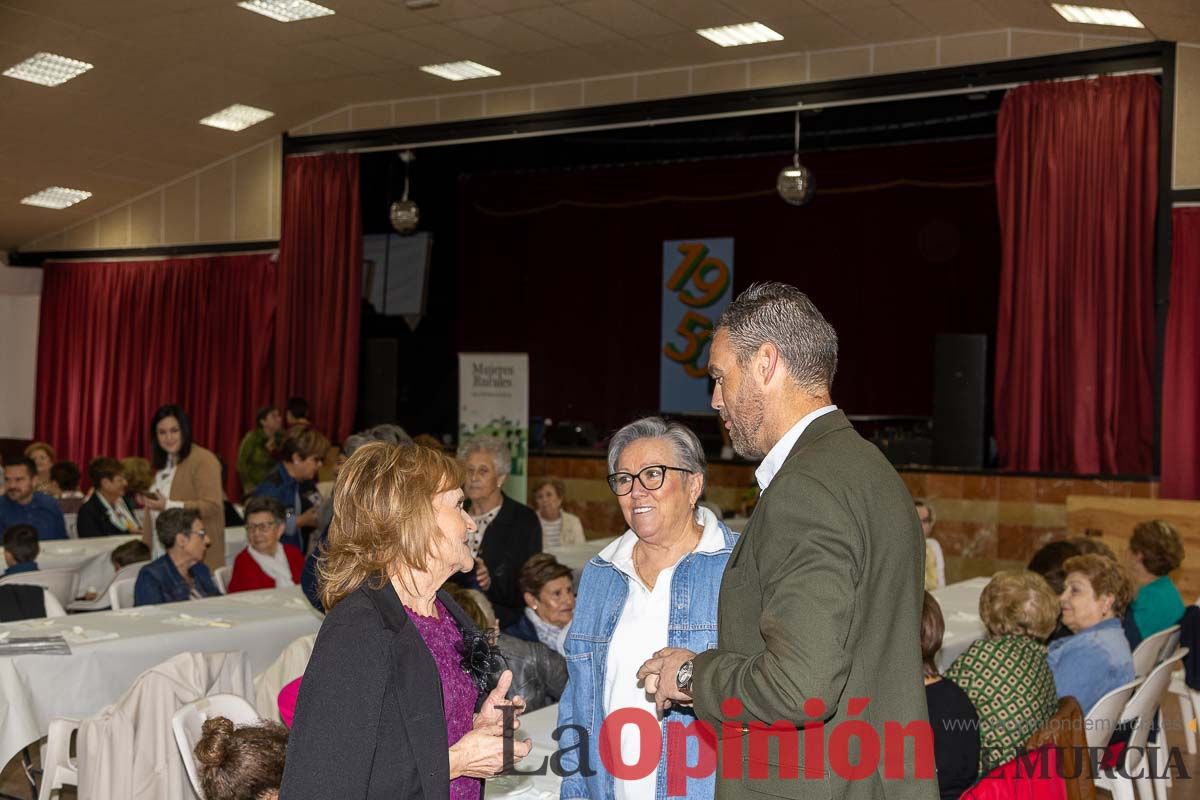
<point x="783" y="315"/>
<point x="685" y="444"/>
<point x="173" y="522"/>
<point x="496" y="448"/>
<point x="392" y="434"/>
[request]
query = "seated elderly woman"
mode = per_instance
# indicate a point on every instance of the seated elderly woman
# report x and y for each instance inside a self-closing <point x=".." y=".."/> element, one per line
<point x="559" y="527"/>
<point x="951" y="715"/>
<point x="390" y="701"/>
<point x="240" y="763"/>
<point x="549" y="593"/>
<point x="107" y="512"/>
<point x="42" y="455"/>
<point x="266" y="563"/>
<point x="180" y="573"/>
<point x="656" y="586"/>
<point x="1097" y="658"/>
<point x="507" y="533"/>
<point x="1006" y="675"/>
<point x="1155" y="549"/>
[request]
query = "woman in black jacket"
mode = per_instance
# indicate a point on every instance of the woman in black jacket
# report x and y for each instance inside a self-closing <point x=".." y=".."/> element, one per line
<point x="107" y="512"/>
<point x="389" y="706"/>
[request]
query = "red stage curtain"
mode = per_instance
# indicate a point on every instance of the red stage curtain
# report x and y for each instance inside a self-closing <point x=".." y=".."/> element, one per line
<point x="118" y="339"/>
<point x="1181" y="364"/>
<point x="1076" y="179"/>
<point x="320" y="294"/>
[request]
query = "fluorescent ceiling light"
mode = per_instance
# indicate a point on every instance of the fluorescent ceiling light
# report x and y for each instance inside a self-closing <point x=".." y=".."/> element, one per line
<point x="460" y="70"/>
<point x="286" y="10"/>
<point x="47" y="69"/>
<point x="1090" y="15"/>
<point x="237" y="117"/>
<point x="56" y="197"/>
<point x="746" y="33"/>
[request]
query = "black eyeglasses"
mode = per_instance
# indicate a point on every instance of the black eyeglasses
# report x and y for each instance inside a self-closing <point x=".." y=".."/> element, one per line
<point x="651" y="477"/>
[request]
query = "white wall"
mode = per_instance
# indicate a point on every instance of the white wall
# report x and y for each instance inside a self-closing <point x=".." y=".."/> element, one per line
<point x="20" y="298"/>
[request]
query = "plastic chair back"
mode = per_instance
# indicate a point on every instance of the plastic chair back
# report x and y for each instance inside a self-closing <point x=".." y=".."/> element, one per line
<point x="1101" y="719"/>
<point x="120" y="593"/>
<point x="1149" y="653"/>
<point x="188" y="724"/>
<point x="60" y="582"/>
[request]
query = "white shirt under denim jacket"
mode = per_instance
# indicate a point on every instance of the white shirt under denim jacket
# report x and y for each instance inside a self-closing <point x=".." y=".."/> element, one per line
<point x="603" y="654"/>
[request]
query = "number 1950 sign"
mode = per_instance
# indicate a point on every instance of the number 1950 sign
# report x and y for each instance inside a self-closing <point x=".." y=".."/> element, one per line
<point x="697" y="284"/>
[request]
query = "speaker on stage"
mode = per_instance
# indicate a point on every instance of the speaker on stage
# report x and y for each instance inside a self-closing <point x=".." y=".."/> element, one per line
<point x="377" y="397"/>
<point x="959" y="401"/>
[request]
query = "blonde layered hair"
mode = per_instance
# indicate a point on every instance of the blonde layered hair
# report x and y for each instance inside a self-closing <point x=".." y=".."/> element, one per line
<point x="383" y="516"/>
<point x="1018" y="602"/>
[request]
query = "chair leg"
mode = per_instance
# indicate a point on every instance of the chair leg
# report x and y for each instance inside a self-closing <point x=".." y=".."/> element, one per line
<point x="1188" y="714"/>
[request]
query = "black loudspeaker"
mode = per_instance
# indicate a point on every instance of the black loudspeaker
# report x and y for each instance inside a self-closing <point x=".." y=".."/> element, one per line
<point x="377" y="398"/>
<point x="960" y="383"/>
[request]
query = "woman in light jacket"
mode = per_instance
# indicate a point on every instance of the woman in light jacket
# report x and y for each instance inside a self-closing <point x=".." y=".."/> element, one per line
<point x="654" y="587"/>
<point x="186" y="476"/>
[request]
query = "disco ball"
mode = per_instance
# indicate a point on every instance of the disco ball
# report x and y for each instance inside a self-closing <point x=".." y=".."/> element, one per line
<point x="795" y="184"/>
<point x="404" y="216"/>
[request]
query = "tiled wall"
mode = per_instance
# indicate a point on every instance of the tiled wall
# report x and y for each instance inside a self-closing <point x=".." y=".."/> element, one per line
<point x="979" y="517"/>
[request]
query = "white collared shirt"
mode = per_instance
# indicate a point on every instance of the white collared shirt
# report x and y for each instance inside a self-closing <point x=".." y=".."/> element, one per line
<point x="641" y="630"/>
<point x="779" y="453"/>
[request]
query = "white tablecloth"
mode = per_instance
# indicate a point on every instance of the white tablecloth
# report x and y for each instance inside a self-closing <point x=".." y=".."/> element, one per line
<point x="34" y="688"/>
<point x="89" y="556"/>
<point x="960" y="609"/>
<point x="538" y="725"/>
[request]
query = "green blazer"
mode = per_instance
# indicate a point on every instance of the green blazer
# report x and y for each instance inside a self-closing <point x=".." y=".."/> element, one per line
<point x="820" y="601"/>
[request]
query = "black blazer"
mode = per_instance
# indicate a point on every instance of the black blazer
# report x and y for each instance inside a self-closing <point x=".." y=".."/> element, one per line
<point x="369" y="720"/>
<point x="93" y="518"/>
<point x="513" y="537"/>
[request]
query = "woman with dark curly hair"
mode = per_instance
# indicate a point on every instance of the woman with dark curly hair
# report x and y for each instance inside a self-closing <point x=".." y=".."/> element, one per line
<point x="240" y="763"/>
<point x="1155" y="549"/>
<point x="390" y="702"/>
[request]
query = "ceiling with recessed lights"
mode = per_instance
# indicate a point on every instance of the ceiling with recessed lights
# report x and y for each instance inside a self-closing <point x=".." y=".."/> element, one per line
<point x="159" y="67"/>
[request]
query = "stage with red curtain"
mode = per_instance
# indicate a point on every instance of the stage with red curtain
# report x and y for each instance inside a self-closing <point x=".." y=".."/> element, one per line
<point x="219" y="335"/>
<point x="1181" y="363"/>
<point x="119" y="339"/>
<point x="1076" y="181"/>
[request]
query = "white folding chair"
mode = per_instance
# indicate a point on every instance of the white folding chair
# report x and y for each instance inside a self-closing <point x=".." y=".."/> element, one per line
<point x="1140" y="713"/>
<point x="1101" y="719"/>
<point x="1151" y="651"/>
<point x="72" y="523"/>
<point x="221" y="576"/>
<point x="60" y="582"/>
<point x="188" y="724"/>
<point x="120" y="593"/>
<point x="103" y="600"/>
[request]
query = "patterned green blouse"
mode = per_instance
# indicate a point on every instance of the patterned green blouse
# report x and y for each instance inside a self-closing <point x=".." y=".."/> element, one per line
<point x="1010" y="684"/>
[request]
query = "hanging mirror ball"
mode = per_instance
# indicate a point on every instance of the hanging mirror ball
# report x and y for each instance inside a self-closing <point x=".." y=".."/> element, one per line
<point x="795" y="185"/>
<point x="404" y="215"/>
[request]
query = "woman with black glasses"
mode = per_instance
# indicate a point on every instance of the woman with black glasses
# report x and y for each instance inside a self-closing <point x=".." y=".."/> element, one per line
<point x="655" y="587"/>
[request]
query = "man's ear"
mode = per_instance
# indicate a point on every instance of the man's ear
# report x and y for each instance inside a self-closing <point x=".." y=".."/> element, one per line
<point x="766" y="364"/>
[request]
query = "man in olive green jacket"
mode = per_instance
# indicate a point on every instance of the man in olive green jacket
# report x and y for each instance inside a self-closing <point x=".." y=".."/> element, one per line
<point x="820" y="604"/>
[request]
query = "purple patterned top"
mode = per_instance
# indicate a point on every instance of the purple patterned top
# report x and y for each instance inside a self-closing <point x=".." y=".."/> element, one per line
<point x="443" y="638"/>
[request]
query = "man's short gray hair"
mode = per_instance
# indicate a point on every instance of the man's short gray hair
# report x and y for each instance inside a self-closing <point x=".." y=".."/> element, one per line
<point x="392" y="434"/>
<point x="783" y="315"/>
<point x="686" y="445"/>
<point x="496" y="448"/>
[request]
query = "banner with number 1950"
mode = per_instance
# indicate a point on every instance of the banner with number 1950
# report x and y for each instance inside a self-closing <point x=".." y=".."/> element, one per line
<point x="697" y="285"/>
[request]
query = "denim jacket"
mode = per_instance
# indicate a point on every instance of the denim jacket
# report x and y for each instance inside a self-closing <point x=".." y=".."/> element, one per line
<point x="695" y="586"/>
<point x="1091" y="663"/>
<point x="160" y="582"/>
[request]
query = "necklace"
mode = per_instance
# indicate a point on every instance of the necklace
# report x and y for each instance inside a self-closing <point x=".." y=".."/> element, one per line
<point x="638" y="568"/>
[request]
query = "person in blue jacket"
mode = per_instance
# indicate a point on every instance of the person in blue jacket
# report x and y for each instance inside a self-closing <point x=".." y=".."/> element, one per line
<point x="180" y="573"/>
<point x="21" y="505"/>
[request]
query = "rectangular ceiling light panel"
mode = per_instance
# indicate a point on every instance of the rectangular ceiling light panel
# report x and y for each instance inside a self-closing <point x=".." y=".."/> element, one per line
<point x="1090" y="15"/>
<point x="56" y="197"/>
<point x="47" y="69"/>
<point x="237" y="117"/>
<point x="735" y="35"/>
<point x="460" y="70"/>
<point x="286" y="10"/>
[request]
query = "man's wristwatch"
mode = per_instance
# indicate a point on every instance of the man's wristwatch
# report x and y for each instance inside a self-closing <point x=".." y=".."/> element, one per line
<point x="683" y="679"/>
